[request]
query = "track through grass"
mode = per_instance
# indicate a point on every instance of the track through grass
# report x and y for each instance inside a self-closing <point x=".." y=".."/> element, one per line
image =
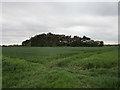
<point x="60" y="67"/>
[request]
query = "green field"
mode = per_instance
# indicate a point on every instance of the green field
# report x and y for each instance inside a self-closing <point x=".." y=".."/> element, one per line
<point x="60" y="67"/>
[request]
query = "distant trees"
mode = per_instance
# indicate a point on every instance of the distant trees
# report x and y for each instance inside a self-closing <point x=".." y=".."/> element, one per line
<point x="52" y="40"/>
<point x="14" y="45"/>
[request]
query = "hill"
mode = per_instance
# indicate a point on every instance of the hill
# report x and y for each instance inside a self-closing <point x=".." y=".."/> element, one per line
<point x="52" y="40"/>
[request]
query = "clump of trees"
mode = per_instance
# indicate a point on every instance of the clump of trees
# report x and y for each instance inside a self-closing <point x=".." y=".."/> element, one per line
<point x="51" y="40"/>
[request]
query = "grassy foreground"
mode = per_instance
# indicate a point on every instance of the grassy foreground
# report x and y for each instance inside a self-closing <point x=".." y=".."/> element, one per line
<point x="60" y="67"/>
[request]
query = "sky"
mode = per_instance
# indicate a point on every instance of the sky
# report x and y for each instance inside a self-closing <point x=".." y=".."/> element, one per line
<point x="23" y="20"/>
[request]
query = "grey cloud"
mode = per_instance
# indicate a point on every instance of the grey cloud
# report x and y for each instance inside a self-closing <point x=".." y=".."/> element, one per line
<point x="23" y="20"/>
<point x="90" y="8"/>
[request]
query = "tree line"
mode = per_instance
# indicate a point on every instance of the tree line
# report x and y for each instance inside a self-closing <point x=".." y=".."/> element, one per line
<point x="52" y="40"/>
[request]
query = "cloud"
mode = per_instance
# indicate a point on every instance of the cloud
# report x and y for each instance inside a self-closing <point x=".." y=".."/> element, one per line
<point x="22" y="20"/>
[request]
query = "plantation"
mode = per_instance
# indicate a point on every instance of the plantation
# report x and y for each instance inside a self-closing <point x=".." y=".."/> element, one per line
<point x="54" y="40"/>
<point x="60" y="67"/>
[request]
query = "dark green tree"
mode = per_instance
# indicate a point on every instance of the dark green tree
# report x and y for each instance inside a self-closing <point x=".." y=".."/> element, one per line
<point x="52" y="40"/>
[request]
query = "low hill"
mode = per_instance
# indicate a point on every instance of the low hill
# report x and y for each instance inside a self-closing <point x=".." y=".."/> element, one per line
<point x="51" y="40"/>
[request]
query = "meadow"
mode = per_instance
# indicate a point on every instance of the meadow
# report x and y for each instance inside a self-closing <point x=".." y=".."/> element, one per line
<point x="60" y="67"/>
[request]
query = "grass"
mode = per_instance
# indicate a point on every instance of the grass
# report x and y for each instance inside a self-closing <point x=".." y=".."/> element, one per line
<point x="60" y="67"/>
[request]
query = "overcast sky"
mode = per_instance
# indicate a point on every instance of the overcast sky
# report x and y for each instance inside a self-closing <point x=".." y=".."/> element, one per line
<point x="22" y="20"/>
